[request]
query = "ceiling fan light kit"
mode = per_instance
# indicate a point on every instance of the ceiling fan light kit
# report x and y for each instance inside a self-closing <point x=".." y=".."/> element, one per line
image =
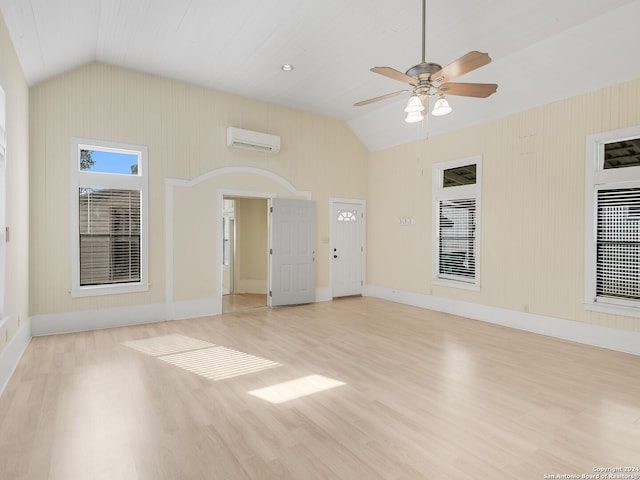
<point x="441" y="107"/>
<point x="430" y="79"/>
<point x="414" y="117"/>
<point x="414" y="109"/>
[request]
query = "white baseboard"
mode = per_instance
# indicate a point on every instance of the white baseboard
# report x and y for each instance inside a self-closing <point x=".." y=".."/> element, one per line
<point x="595" y="335"/>
<point x="68" y="322"/>
<point x="12" y="353"/>
<point x="51" y="324"/>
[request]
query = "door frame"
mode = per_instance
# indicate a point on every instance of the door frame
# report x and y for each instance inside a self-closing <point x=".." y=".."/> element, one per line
<point x="239" y="181"/>
<point x="353" y="201"/>
<point x="220" y="194"/>
<point x="232" y="249"/>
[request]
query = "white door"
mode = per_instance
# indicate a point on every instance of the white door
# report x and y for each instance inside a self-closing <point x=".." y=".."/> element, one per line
<point x="347" y="248"/>
<point x="292" y="268"/>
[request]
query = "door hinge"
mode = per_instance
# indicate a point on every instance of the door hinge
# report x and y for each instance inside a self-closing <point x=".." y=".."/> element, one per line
<point x="270" y="293"/>
<point x="270" y="209"/>
<point x="6" y="234"/>
<point x="271" y="251"/>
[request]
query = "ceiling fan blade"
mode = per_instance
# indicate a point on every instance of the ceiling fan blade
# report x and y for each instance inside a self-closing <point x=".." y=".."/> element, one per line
<point x="376" y="99"/>
<point x="464" y="64"/>
<point x="479" y="90"/>
<point x="395" y="75"/>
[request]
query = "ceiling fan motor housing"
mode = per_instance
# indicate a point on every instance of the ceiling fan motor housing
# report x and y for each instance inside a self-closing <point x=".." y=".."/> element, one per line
<point x="423" y="70"/>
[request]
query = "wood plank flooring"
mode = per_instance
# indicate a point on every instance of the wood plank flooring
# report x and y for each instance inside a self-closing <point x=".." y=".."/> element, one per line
<point x="425" y="396"/>
<point x="242" y="301"/>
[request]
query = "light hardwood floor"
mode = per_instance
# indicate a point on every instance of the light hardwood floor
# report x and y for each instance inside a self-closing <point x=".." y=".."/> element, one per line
<point x="242" y="301"/>
<point x="425" y="396"/>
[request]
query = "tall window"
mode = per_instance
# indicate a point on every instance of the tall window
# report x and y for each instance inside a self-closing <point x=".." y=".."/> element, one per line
<point x="613" y="222"/>
<point x="109" y="218"/>
<point x="456" y="224"/>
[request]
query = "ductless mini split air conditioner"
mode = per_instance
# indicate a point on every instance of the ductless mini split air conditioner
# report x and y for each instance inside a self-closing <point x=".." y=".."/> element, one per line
<point x="240" y="138"/>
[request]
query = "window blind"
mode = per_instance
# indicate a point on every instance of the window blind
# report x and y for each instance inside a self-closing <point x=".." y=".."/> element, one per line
<point x="618" y="243"/>
<point x="109" y="236"/>
<point x="457" y="240"/>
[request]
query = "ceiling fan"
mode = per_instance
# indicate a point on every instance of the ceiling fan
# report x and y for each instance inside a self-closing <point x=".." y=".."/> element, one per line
<point x="430" y="79"/>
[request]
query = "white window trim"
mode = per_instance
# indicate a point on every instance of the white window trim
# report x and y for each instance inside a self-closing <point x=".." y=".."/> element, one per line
<point x="3" y="214"/>
<point x="463" y="191"/>
<point x="596" y="178"/>
<point x="106" y="180"/>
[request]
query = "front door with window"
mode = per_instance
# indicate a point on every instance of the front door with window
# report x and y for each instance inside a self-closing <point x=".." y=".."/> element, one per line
<point x="347" y="248"/>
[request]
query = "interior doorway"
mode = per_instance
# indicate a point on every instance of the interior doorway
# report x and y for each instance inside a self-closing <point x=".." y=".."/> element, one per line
<point x="244" y="253"/>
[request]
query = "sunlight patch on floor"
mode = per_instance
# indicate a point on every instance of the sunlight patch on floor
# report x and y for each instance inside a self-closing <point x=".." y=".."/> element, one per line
<point x="300" y="387"/>
<point x="167" y="344"/>
<point x="218" y="363"/>
<point x="208" y="360"/>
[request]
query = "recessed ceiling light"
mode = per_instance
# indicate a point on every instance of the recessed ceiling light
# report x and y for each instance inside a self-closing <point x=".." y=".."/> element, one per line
<point x="287" y="67"/>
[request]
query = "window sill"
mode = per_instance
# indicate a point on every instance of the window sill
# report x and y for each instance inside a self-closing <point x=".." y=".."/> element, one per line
<point x="614" y="309"/>
<point x="109" y="290"/>
<point x="456" y="284"/>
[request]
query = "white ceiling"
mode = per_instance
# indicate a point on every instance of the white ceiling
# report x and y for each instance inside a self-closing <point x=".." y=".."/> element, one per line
<point x="542" y="50"/>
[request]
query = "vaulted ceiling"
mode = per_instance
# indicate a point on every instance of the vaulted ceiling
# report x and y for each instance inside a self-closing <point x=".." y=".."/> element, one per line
<point x="542" y="50"/>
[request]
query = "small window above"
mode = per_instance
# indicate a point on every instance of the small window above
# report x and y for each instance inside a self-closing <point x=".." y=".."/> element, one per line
<point x="347" y="216"/>
<point x="454" y="177"/>
<point x="622" y="154"/>
<point x="109" y="161"/>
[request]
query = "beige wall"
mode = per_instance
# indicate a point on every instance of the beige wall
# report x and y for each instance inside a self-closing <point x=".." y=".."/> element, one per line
<point x="532" y="231"/>
<point x="532" y="237"/>
<point x="184" y="127"/>
<point x="17" y="156"/>
<point x="196" y="239"/>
